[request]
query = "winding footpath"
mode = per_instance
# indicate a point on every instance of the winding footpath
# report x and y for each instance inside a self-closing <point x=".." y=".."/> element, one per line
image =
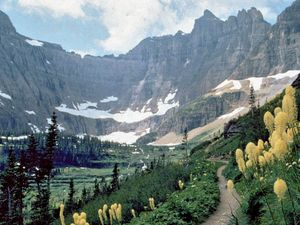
<point x="228" y="204"/>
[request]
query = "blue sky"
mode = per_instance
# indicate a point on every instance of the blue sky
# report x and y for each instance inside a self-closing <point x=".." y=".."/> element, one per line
<point x="101" y="27"/>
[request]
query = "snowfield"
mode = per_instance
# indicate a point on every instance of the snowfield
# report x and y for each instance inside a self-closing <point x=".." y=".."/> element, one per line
<point x="109" y="99"/>
<point x="34" y="43"/>
<point x="255" y="82"/>
<point x="232" y="114"/>
<point x="3" y="95"/>
<point x="30" y="112"/>
<point x="123" y="137"/>
<point x="127" y="116"/>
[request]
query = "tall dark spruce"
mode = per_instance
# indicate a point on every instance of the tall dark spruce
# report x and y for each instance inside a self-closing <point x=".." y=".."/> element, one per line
<point x="41" y="208"/>
<point x="114" y="185"/>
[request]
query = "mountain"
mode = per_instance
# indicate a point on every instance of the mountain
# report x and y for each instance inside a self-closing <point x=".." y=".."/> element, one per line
<point x="131" y="95"/>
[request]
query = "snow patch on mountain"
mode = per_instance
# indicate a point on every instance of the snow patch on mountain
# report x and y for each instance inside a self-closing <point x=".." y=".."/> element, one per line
<point x="30" y="112"/>
<point x="3" y="95"/>
<point x="127" y="116"/>
<point x="124" y="137"/>
<point x="256" y="82"/>
<point x="232" y="114"/>
<point x="109" y="99"/>
<point x="34" y="43"/>
<point x="34" y="128"/>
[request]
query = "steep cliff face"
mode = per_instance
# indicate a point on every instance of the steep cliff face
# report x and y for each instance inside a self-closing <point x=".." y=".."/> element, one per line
<point x="281" y="49"/>
<point x="145" y="87"/>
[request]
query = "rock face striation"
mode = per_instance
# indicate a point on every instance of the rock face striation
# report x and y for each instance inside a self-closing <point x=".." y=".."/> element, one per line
<point x="145" y="87"/>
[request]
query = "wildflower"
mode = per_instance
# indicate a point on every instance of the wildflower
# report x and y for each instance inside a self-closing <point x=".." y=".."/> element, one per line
<point x="260" y="145"/>
<point x="249" y="164"/>
<point x="290" y="135"/>
<point x="280" y="188"/>
<point x="252" y="152"/>
<point x="277" y="110"/>
<point x="261" y="161"/>
<point x="119" y="213"/>
<point x="289" y="106"/>
<point x="261" y="179"/>
<point x="180" y="184"/>
<point x="230" y="185"/>
<point x="269" y="121"/>
<point x="110" y="212"/>
<point x="281" y="121"/>
<point x="151" y="203"/>
<point x="104" y="212"/>
<point x="280" y="149"/>
<point x="100" y="214"/>
<point x="61" y="214"/>
<point x="239" y="154"/>
<point x="133" y="213"/>
<point x="268" y="157"/>
<point x="241" y="165"/>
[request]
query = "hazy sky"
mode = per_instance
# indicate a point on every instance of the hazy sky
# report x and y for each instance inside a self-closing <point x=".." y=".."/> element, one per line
<point x="101" y="27"/>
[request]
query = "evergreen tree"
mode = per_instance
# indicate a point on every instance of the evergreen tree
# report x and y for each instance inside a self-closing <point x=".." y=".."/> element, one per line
<point x="21" y="186"/>
<point x="96" y="188"/>
<point x="84" y="195"/>
<point x="114" y="185"/>
<point x="8" y="190"/>
<point x="70" y="202"/>
<point x="41" y="214"/>
<point x="252" y="100"/>
<point x="184" y="143"/>
<point x="32" y="154"/>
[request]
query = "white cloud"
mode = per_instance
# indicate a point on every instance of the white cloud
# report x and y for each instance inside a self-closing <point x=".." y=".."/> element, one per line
<point x="56" y="8"/>
<point x="127" y="22"/>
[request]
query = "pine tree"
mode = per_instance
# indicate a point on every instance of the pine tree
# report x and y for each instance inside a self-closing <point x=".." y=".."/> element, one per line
<point x="252" y="100"/>
<point x="184" y="143"/>
<point x="21" y="186"/>
<point x="32" y="154"/>
<point x="8" y="190"/>
<point x="70" y="201"/>
<point x="114" y="185"/>
<point x="96" y="188"/>
<point x="41" y="214"/>
<point x="84" y="195"/>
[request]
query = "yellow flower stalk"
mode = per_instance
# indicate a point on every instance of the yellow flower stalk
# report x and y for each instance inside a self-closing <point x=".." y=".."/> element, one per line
<point x="252" y="152"/>
<point x="110" y="212"/>
<point x="239" y="154"/>
<point x="280" y="188"/>
<point x="281" y="121"/>
<point x="230" y="185"/>
<point x="289" y="106"/>
<point x="280" y="149"/>
<point x="133" y="213"/>
<point x="277" y="110"/>
<point x="180" y="184"/>
<point x="151" y="203"/>
<point x="268" y="157"/>
<point x="104" y="212"/>
<point x="61" y="214"/>
<point x="80" y="219"/>
<point x="249" y="164"/>
<point x="269" y="122"/>
<point x="241" y="165"/>
<point x="100" y="214"/>
<point x="260" y="145"/>
<point x="119" y="213"/>
<point x="261" y="161"/>
<point x="289" y="90"/>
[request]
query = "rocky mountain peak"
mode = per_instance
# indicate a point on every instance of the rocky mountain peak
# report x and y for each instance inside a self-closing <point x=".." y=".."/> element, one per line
<point x="250" y="15"/>
<point x="6" y="25"/>
<point x="290" y="14"/>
